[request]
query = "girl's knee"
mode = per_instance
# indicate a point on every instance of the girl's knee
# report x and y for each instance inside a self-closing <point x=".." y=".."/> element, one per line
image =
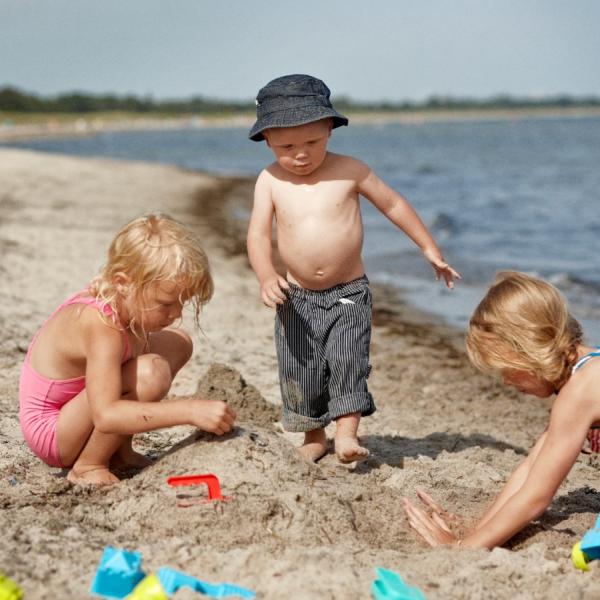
<point x="154" y="377"/>
<point x="175" y="345"/>
<point x="184" y="351"/>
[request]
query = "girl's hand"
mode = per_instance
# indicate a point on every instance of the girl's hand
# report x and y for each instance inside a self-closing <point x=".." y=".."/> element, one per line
<point x="214" y="416"/>
<point x="437" y="509"/>
<point x="431" y="526"/>
<point x="272" y="290"/>
<point x="441" y="267"/>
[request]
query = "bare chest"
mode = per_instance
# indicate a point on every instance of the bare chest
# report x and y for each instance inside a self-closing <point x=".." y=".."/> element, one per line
<point x="326" y="201"/>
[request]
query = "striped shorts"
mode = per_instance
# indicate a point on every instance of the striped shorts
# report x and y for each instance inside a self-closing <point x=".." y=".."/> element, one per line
<point x="322" y="339"/>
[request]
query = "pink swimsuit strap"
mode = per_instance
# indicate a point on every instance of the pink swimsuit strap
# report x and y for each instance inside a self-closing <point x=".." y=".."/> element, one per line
<point x="82" y="297"/>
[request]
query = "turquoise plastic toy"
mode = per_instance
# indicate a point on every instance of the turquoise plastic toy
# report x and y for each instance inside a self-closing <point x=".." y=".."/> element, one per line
<point x="118" y="573"/>
<point x="588" y="549"/>
<point x="166" y="582"/>
<point x="390" y="586"/>
<point x="9" y="590"/>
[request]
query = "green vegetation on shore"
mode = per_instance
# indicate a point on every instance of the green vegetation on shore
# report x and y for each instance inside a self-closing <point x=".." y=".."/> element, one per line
<point x="16" y="102"/>
<point x="106" y="117"/>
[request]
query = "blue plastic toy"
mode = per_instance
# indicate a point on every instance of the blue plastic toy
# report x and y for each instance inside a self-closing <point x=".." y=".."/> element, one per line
<point x="118" y="573"/>
<point x="171" y="580"/>
<point x="588" y="548"/>
<point x="390" y="586"/>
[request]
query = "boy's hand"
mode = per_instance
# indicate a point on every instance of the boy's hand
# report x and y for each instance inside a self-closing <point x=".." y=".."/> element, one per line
<point x="272" y="290"/>
<point x="441" y="267"/>
<point x="214" y="416"/>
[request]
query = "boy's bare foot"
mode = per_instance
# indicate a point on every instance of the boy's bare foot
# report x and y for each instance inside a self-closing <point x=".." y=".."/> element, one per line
<point x="314" y="446"/>
<point x="92" y="475"/>
<point x="347" y="446"/>
<point x="349" y="450"/>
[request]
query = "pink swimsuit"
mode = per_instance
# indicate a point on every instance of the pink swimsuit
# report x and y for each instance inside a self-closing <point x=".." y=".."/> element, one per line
<point x="41" y="398"/>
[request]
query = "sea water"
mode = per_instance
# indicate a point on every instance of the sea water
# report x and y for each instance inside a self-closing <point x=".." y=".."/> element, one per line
<point x="508" y="194"/>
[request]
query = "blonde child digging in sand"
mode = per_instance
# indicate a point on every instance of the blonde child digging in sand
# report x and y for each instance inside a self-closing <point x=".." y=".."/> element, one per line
<point x="323" y="317"/>
<point x="96" y="370"/>
<point x="522" y="330"/>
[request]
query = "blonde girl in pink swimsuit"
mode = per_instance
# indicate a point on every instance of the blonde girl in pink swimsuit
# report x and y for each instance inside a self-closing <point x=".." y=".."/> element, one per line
<point x="96" y="370"/>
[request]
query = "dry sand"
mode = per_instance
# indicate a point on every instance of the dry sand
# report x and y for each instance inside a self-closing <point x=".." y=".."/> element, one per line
<point x="290" y="529"/>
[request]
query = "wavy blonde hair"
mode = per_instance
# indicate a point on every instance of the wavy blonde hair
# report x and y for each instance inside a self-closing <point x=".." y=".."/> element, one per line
<point x="524" y="324"/>
<point x="148" y="250"/>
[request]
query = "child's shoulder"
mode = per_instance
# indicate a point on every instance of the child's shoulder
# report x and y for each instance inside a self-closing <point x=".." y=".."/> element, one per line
<point x="80" y="326"/>
<point x="269" y="171"/>
<point x="266" y="178"/>
<point x="583" y="385"/>
<point x="90" y="316"/>
<point x="335" y="166"/>
<point x="349" y="164"/>
<point x="589" y="373"/>
<point x="348" y="168"/>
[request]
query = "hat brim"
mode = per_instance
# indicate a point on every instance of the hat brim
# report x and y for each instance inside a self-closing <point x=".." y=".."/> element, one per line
<point x="293" y="118"/>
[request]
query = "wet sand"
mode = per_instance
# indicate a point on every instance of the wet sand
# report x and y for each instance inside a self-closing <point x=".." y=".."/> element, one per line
<point x="290" y="529"/>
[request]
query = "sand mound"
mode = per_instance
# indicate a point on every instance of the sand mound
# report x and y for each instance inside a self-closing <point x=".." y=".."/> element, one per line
<point x="222" y="382"/>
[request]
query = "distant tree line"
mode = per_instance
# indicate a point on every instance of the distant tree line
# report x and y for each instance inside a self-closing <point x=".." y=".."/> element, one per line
<point x="15" y="100"/>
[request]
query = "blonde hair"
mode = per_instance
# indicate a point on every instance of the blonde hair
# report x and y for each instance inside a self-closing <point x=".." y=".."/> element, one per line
<point x="524" y="324"/>
<point x="148" y="250"/>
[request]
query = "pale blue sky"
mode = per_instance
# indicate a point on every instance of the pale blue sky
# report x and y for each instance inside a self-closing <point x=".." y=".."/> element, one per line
<point x="383" y="49"/>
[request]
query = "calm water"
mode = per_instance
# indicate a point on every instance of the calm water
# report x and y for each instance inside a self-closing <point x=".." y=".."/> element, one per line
<point x="521" y="194"/>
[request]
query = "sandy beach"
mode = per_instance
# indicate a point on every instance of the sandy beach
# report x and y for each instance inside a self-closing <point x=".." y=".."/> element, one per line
<point x="289" y="529"/>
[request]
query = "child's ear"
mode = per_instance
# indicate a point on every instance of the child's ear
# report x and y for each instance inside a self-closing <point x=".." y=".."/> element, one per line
<point x="122" y="283"/>
<point x="266" y="136"/>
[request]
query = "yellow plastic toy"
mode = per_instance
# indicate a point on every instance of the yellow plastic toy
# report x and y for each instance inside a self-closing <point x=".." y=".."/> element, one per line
<point x="9" y="590"/>
<point x="579" y="558"/>
<point x="149" y="588"/>
<point x="588" y="549"/>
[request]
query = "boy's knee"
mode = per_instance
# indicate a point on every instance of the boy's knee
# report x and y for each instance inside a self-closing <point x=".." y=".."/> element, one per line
<point x="154" y="377"/>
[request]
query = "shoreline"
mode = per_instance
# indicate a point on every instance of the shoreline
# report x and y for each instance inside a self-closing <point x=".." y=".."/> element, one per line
<point x="438" y="425"/>
<point x="88" y="125"/>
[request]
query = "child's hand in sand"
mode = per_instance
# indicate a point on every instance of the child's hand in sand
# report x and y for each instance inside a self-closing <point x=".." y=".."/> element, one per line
<point x="272" y="290"/>
<point x="430" y="523"/>
<point x="214" y="416"/>
<point x="441" y="267"/>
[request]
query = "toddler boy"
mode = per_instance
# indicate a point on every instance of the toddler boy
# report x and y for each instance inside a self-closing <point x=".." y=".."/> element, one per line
<point x="323" y="316"/>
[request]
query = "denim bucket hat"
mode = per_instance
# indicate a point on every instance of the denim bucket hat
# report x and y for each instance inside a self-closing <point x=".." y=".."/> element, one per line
<point x="293" y="100"/>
